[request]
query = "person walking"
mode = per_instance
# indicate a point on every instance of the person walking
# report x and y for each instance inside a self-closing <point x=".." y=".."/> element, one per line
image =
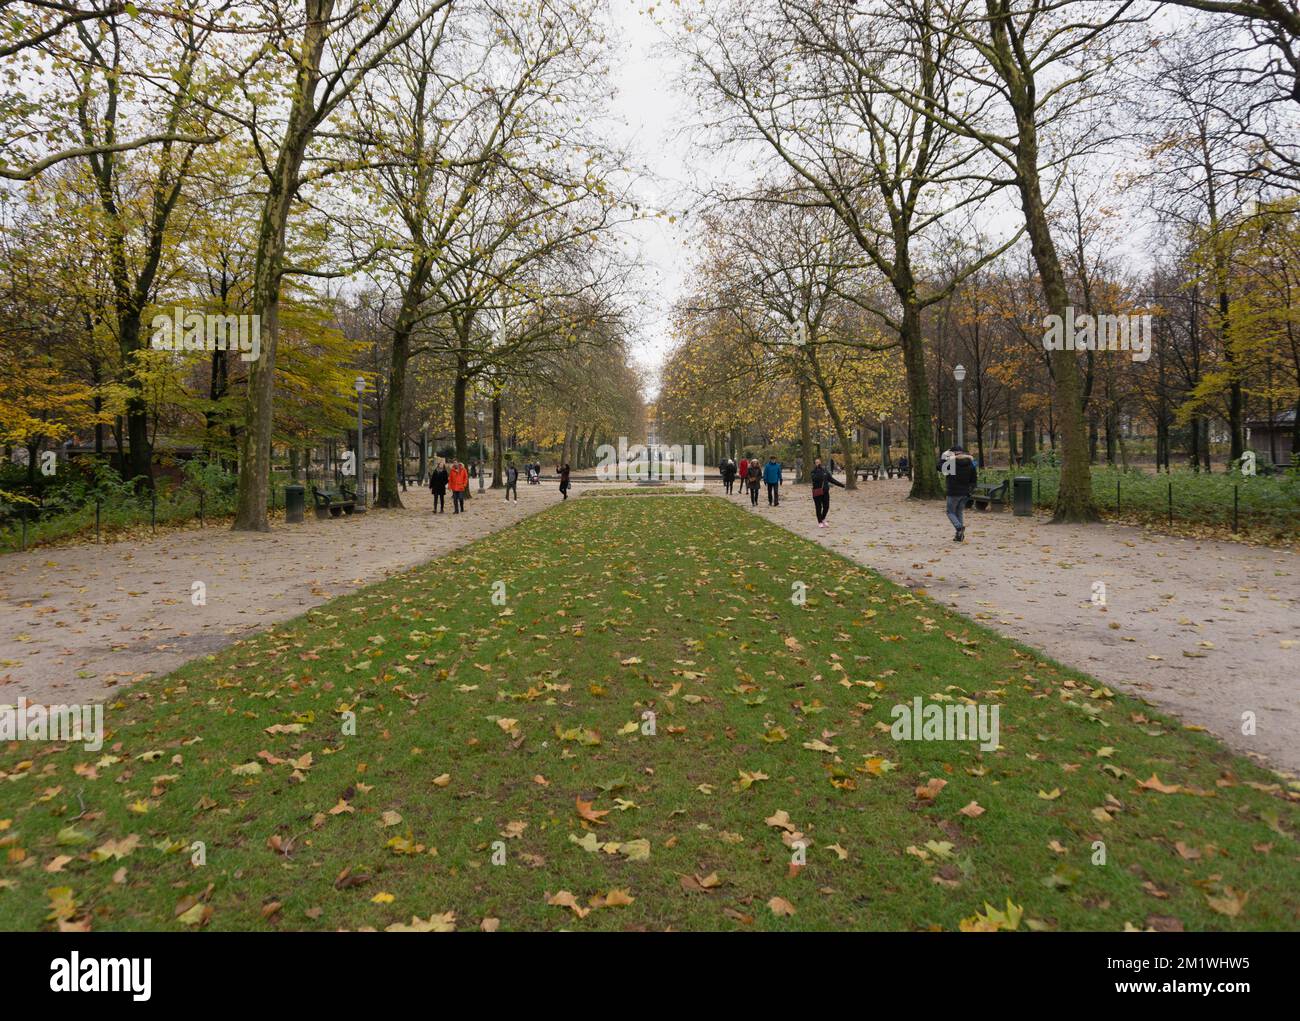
<point x="438" y="483"/>
<point x="728" y="474"/>
<point x="458" y="480"/>
<point x="742" y="472"/>
<point x="772" y="476"/>
<point x="822" y="480"/>
<point x="754" y="478"/>
<point x="960" y="475"/>
<point x="564" y="480"/>
<point x="512" y="481"/>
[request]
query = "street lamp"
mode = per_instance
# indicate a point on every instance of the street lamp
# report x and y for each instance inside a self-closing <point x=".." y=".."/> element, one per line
<point x="478" y="454"/>
<point x="959" y="374"/>
<point x="359" y="384"/>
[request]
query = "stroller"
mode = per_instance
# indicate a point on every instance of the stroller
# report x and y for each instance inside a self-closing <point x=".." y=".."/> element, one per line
<point x="534" y="479"/>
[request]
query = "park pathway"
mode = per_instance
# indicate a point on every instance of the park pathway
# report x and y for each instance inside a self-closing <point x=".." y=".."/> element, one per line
<point x="81" y="620"/>
<point x="1207" y="630"/>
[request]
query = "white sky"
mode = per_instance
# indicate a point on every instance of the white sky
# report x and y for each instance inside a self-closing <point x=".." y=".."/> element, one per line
<point x="650" y="116"/>
<point x="652" y="111"/>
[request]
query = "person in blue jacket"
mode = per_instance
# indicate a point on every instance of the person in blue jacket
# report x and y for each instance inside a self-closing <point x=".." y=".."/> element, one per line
<point x="772" y="476"/>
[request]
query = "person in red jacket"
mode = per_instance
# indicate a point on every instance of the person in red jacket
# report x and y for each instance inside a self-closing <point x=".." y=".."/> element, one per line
<point x="457" y="482"/>
<point x="742" y="472"/>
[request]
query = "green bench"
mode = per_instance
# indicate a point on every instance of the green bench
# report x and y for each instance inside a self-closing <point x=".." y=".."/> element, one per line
<point x="986" y="495"/>
<point x="333" y="503"/>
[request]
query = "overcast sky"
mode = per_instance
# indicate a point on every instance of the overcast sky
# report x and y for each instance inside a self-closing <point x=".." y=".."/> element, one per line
<point x="651" y="112"/>
<point x="651" y="115"/>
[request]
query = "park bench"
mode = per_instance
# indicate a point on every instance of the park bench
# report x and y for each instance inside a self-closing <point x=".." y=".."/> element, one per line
<point x="333" y="503"/>
<point x="869" y="471"/>
<point x="986" y="495"/>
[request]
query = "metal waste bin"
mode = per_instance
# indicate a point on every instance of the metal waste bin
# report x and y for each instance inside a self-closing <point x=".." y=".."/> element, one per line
<point x="294" y="499"/>
<point x="1022" y="496"/>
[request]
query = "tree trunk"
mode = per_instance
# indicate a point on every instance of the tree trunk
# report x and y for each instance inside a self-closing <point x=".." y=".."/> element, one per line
<point x="805" y="433"/>
<point x="837" y="421"/>
<point x="1074" y="498"/>
<point x="498" y="451"/>
<point x="390" y="421"/>
<point x="927" y="483"/>
<point x="255" y="445"/>
<point x="459" y="388"/>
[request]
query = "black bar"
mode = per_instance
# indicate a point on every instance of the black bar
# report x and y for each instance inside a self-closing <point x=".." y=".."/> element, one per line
<point x="1044" y="968"/>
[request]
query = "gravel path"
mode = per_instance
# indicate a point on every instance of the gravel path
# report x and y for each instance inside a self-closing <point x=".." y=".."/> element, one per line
<point x="1207" y="630"/>
<point x="80" y="620"/>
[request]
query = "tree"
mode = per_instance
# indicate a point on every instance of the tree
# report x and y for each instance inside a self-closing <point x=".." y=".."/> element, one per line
<point x="358" y="37"/>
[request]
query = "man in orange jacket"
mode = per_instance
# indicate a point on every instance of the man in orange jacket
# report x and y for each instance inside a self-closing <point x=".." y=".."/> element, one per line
<point x="457" y="482"/>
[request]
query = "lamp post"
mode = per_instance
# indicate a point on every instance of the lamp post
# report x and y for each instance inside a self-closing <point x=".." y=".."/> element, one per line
<point x="478" y="454"/>
<point x="959" y="374"/>
<point x="359" y="384"/>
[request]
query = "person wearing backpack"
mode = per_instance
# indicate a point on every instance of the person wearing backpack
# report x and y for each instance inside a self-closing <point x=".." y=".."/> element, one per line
<point x="960" y="476"/>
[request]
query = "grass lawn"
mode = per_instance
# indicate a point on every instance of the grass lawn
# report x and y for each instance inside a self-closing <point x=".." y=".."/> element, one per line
<point x="483" y="728"/>
<point x="1268" y="507"/>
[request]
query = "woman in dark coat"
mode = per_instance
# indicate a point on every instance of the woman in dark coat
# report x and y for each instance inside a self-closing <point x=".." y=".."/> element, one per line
<point x="438" y="483"/>
<point x="564" y="481"/>
<point x="822" y="480"/>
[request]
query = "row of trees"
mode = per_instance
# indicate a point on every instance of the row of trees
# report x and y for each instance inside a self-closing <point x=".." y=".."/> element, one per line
<point x="417" y="190"/>
<point x="933" y="166"/>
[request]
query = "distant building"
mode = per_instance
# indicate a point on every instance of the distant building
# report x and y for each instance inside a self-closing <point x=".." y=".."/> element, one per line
<point x="1273" y="439"/>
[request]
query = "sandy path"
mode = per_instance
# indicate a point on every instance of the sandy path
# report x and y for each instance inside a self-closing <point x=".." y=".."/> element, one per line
<point x="1207" y="630"/>
<point x="81" y="620"/>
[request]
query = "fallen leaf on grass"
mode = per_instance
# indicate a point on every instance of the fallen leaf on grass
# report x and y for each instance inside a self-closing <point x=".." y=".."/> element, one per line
<point x="434" y="923"/>
<point x="992" y="919"/>
<point x="930" y="790"/>
<point x="1154" y="784"/>
<point x="585" y="811"/>
<point x="1229" y="901"/>
<point x="565" y="899"/>
<point x="779" y="906"/>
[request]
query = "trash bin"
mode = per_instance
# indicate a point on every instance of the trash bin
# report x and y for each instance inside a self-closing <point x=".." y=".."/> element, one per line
<point x="1022" y="498"/>
<point x="294" y="499"/>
